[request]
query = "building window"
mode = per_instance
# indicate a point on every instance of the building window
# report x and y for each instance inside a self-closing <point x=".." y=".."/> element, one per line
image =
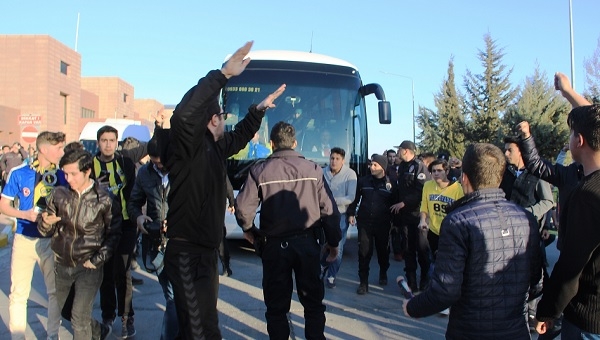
<point x="87" y="113"/>
<point x="65" y="106"/>
<point x="124" y="97"/>
<point x="64" y="67"/>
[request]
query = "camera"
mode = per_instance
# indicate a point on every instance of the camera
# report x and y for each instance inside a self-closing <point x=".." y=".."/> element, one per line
<point x="152" y="244"/>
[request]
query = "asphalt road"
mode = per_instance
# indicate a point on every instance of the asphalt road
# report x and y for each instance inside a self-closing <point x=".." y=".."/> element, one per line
<point x="376" y="315"/>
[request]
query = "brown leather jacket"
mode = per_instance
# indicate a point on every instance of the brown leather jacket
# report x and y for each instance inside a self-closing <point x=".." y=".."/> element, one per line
<point x="90" y="225"/>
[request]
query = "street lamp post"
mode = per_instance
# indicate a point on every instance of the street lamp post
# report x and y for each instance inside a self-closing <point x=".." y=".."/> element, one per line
<point x="412" y="83"/>
<point x="572" y="47"/>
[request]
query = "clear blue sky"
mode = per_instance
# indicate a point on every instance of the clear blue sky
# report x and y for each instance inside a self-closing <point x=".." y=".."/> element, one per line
<point x="162" y="48"/>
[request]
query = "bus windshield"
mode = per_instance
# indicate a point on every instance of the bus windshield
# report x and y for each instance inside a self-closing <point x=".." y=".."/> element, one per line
<point x="321" y="105"/>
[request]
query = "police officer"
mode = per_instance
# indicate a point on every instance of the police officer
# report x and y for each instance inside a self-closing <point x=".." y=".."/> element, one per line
<point x="294" y="197"/>
<point x="374" y="193"/>
<point x="412" y="174"/>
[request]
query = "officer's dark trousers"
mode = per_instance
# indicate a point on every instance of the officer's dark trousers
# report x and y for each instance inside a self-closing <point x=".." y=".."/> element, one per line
<point x="373" y="235"/>
<point x="280" y="257"/>
<point x="418" y="245"/>
<point x="193" y="273"/>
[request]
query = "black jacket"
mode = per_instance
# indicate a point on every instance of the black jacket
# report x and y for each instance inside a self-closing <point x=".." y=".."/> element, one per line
<point x="196" y="164"/>
<point x="148" y="189"/>
<point x="488" y="257"/>
<point x="412" y="175"/>
<point x="565" y="178"/>
<point x="90" y="225"/>
<point x="293" y="195"/>
<point x="573" y="287"/>
<point x="528" y="191"/>
<point x="375" y="197"/>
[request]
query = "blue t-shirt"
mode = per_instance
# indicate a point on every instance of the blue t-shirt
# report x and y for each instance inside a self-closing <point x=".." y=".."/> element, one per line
<point x="31" y="188"/>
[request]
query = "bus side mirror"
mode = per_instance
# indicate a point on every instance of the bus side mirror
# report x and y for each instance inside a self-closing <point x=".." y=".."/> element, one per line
<point x="385" y="112"/>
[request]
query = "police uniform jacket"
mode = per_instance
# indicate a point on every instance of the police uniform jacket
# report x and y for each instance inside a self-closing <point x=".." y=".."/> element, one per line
<point x="412" y="175"/>
<point x="293" y="195"/>
<point x="375" y="198"/>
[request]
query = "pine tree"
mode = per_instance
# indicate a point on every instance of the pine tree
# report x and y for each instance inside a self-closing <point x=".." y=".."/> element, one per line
<point x="592" y="76"/>
<point x="451" y="121"/>
<point x="545" y="110"/>
<point x="429" y="138"/>
<point x="488" y="95"/>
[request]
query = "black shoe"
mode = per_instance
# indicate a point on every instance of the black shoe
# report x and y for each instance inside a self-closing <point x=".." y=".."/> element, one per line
<point x="362" y="289"/>
<point x="105" y="330"/>
<point x="383" y="279"/>
<point x="411" y="280"/>
<point x="227" y="271"/>
<point x="127" y="327"/>
<point x="136" y="281"/>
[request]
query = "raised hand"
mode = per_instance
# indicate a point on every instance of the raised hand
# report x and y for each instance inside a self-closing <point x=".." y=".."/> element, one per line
<point x="237" y="64"/>
<point x="561" y="82"/>
<point x="267" y="103"/>
<point x="523" y="129"/>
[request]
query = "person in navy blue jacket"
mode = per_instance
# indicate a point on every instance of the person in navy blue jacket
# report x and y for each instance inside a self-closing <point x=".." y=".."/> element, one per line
<point x="488" y="257"/>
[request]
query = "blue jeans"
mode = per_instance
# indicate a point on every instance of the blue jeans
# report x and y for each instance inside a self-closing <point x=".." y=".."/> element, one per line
<point x="334" y="267"/>
<point x="86" y="283"/>
<point x="170" y="327"/>
<point x="570" y="331"/>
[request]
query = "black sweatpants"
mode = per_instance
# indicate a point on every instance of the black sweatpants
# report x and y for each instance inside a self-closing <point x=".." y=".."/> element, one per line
<point x="193" y="273"/>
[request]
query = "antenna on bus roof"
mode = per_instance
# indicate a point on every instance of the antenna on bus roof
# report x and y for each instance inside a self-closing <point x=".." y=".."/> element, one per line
<point x="311" y="40"/>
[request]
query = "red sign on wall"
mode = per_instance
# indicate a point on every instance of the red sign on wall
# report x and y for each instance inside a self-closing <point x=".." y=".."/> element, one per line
<point x="30" y="120"/>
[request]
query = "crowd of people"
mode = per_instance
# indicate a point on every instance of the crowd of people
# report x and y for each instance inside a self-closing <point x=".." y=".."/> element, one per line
<point x="471" y="231"/>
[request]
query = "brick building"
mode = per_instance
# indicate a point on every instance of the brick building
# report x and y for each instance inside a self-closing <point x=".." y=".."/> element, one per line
<point x="41" y="88"/>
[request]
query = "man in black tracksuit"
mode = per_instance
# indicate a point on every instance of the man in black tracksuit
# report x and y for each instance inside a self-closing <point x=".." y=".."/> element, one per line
<point x="374" y="192"/>
<point x="295" y="203"/>
<point x="197" y="149"/>
<point x="412" y="174"/>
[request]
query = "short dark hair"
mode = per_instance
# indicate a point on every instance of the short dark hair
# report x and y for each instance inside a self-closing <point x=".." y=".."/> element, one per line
<point x="5" y="146"/>
<point x="438" y="161"/>
<point x="387" y="153"/>
<point x="152" y="147"/>
<point x="47" y="137"/>
<point x="511" y="139"/>
<point x="73" y="146"/>
<point x="484" y="165"/>
<point x="585" y="120"/>
<point x="339" y="151"/>
<point x="105" y="129"/>
<point x="425" y="155"/>
<point x="83" y="158"/>
<point x="283" y="136"/>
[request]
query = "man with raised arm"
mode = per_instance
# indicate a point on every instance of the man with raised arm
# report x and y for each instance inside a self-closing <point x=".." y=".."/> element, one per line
<point x="196" y="154"/>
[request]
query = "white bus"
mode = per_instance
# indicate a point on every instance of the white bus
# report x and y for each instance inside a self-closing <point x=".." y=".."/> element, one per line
<point x="324" y="100"/>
